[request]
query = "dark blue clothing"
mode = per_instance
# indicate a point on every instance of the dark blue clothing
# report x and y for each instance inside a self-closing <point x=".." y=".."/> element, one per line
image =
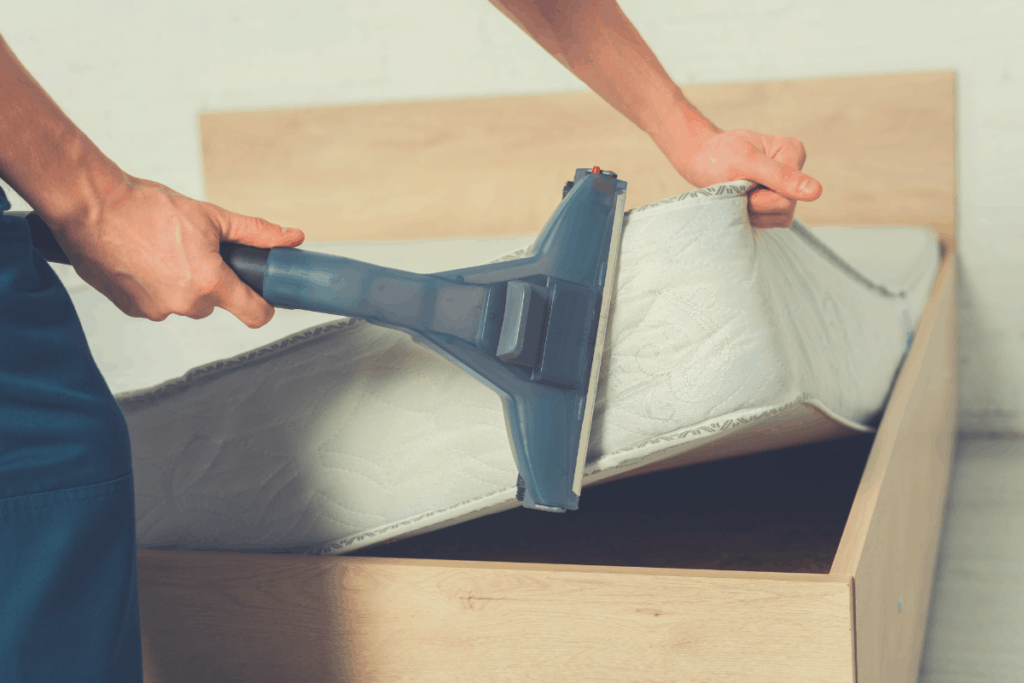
<point x="69" y="606"/>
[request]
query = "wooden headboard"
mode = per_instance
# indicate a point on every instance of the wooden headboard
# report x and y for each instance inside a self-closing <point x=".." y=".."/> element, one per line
<point x="882" y="146"/>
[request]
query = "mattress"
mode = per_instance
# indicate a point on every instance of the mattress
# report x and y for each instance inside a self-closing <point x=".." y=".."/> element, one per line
<point x="324" y="435"/>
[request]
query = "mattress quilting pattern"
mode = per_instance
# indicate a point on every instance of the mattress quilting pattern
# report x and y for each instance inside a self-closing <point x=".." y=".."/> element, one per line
<point x="340" y="434"/>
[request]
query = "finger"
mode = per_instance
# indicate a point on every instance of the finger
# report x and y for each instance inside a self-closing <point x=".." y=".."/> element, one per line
<point x="783" y="179"/>
<point x="769" y="209"/>
<point x="773" y="220"/>
<point x="789" y="151"/>
<point x="256" y="232"/>
<point x="205" y="312"/>
<point x="239" y="299"/>
<point x="763" y="200"/>
<point x="770" y="214"/>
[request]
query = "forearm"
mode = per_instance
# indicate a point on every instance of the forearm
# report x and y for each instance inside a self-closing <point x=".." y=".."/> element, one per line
<point x="598" y="43"/>
<point x="44" y="156"/>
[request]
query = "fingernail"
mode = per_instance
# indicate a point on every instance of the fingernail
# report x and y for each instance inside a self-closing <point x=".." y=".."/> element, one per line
<point x="807" y="186"/>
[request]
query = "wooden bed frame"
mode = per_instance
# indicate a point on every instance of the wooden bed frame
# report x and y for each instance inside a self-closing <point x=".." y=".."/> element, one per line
<point x="812" y="564"/>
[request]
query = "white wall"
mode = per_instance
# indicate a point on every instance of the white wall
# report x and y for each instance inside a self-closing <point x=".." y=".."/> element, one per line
<point x="134" y="75"/>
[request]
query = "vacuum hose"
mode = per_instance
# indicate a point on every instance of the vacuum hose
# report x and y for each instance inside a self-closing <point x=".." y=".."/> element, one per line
<point x="249" y="263"/>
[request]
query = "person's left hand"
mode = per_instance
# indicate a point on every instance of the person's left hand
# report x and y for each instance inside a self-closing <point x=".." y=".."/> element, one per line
<point x="769" y="160"/>
<point x="155" y="252"/>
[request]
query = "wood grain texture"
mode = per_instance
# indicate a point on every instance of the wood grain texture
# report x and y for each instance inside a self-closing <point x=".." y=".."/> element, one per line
<point x="891" y="539"/>
<point x="883" y="147"/>
<point x="264" y="619"/>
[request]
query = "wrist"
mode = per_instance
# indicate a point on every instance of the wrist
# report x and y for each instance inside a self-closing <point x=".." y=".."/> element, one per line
<point x="66" y="179"/>
<point x="681" y="130"/>
<point x="45" y="157"/>
<point x="82" y="193"/>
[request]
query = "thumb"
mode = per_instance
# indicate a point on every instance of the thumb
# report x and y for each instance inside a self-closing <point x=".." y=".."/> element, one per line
<point x="234" y="295"/>
<point x="785" y="180"/>
<point x="256" y="232"/>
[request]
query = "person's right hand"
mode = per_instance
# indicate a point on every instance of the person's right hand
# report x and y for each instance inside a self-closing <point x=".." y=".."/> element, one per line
<point x="154" y="252"/>
<point x="773" y="161"/>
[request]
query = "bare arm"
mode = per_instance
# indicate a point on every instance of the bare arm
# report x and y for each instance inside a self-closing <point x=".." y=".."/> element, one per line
<point x="152" y="251"/>
<point x="44" y="156"/>
<point x="598" y="43"/>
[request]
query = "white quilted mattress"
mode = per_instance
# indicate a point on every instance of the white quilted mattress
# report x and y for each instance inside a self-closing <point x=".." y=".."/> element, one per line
<point x="324" y="435"/>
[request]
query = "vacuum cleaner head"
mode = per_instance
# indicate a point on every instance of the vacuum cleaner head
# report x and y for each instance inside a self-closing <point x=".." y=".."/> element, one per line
<point x="550" y="340"/>
<point x="531" y="328"/>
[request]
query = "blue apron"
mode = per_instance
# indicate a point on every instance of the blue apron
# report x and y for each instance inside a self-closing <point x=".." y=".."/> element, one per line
<point x="69" y="605"/>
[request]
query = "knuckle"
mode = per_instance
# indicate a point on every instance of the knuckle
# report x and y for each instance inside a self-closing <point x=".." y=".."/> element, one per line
<point x="202" y="283"/>
<point x="255" y="224"/>
<point x="799" y="151"/>
<point x="736" y="170"/>
<point x="206" y="282"/>
<point x="182" y="304"/>
<point x="148" y="311"/>
<point x="199" y="312"/>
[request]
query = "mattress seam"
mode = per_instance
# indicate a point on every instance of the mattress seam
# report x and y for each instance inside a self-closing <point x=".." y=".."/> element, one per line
<point x="343" y="543"/>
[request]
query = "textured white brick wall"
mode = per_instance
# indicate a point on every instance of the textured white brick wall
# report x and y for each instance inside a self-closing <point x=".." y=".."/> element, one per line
<point x="135" y="74"/>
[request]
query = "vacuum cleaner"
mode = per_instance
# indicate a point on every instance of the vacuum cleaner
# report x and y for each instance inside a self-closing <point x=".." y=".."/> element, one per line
<point x="532" y="328"/>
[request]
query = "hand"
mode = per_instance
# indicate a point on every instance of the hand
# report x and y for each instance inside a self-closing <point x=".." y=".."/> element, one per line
<point x="769" y="160"/>
<point x="154" y="252"/>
